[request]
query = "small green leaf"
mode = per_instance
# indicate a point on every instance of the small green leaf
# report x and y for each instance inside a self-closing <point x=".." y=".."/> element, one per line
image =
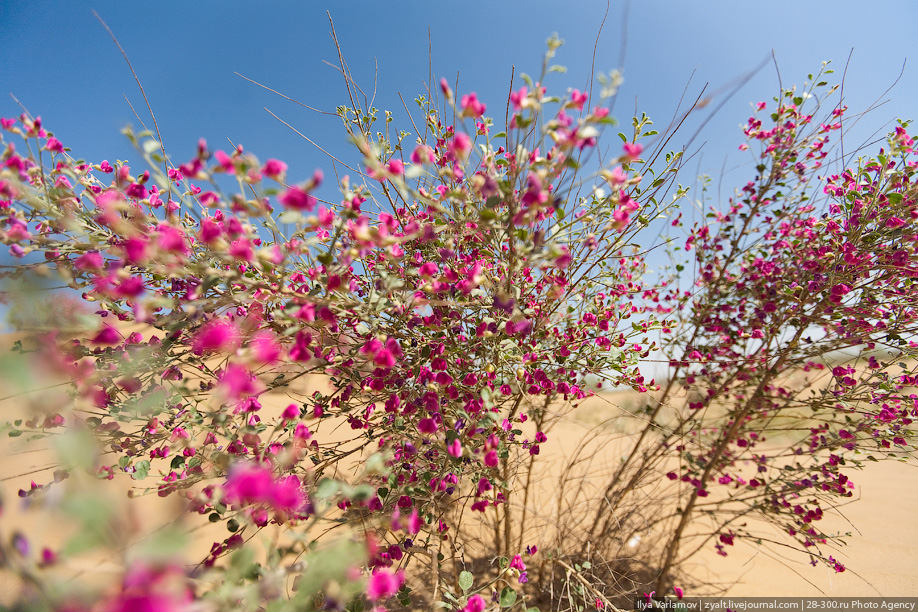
<point x="149" y="146"/>
<point x="141" y="470"/>
<point x="507" y="597"/>
<point x="327" y="488"/>
<point x="465" y="580"/>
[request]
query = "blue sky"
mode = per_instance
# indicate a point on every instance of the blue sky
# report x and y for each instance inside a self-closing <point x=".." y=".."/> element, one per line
<point x="57" y="59"/>
<point x="61" y="64"/>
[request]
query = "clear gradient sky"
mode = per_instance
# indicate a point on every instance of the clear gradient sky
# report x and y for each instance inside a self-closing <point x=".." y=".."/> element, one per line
<point x="60" y="63"/>
<point x="57" y="59"/>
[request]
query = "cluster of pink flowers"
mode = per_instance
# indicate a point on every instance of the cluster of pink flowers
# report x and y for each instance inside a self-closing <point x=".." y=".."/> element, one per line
<point x="448" y="302"/>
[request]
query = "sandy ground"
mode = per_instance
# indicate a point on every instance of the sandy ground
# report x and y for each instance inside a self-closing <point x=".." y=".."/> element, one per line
<point x="880" y="555"/>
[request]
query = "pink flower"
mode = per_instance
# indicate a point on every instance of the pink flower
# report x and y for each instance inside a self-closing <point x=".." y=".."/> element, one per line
<point x="274" y="168"/>
<point x="130" y="287"/>
<point x="149" y="589"/>
<point x="519" y="97"/>
<point x="54" y="145"/>
<point x="252" y="484"/>
<point x="225" y="161"/>
<point x="444" y="87"/>
<point x="248" y="484"/>
<point x="414" y="522"/>
<point x="394" y="348"/>
<point x="209" y="199"/>
<point x="297" y="199"/>
<point x="264" y="349"/>
<point x="617" y="177"/>
<point x="107" y="335"/>
<point x="632" y="150"/>
<point x="563" y="260"/>
<point x="237" y="381"/>
<point x="210" y="230"/>
<point x="287" y="494"/>
<point x="242" y="249"/>
<point x="427" y="426"/>
<point x="89" y="261"/>
<point x="136" y="190"/>
<point x="135" y="250"/>
<point x="471" y="107"/>
<point x="291" y="412"/>
<point x="396" y="167"/>
<point x="476" y="603"/>
<point x="48" y="557"/>
<point x="383" y="584"/>
<point x="841" y="289"/>
<point x="461" y="144"/>
<point x="423" y="154"/>
<point x="384" y="359"/>
<point x="171" y="239"/>
<point x="454" y="448"/>
<point x="428" y="269"/>
<point x="522" y="326"/>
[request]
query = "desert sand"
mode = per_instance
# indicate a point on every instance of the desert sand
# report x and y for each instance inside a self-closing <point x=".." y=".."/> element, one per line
<point x="880" y="556"/>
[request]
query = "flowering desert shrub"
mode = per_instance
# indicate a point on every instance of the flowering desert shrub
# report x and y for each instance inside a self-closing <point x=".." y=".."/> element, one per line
<point x="341" y="392"/>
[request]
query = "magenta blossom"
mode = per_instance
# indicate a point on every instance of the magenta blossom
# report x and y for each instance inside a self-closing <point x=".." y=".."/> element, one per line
<point x="297" y="199"/>
<point x="274" y="169"/>
<point x="383" y="584"/>
<point x="471" y="107"/>
<point x="148" y="589"/>
<point x="252" y="484"/>
<point x="476" y="603"/>
<point x="216" y="336"/>
<point x="632" y="150"/>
